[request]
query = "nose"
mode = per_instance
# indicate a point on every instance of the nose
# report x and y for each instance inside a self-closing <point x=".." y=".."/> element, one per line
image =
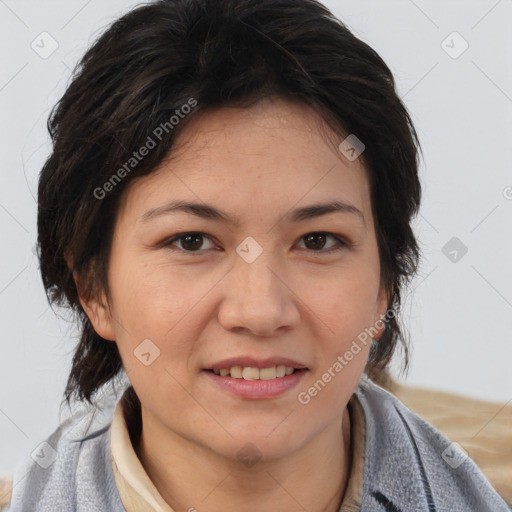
<point x="257" y="299"/>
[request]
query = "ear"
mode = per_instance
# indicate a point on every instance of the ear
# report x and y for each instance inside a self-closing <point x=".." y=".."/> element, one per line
<point x="381" y="309"/>
<point x="97" y="309"/>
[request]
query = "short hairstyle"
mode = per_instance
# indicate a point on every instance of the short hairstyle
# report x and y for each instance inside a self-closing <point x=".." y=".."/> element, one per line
<point x="209" y="54"/>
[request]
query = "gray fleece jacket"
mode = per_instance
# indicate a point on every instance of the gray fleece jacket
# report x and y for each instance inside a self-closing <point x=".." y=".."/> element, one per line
<point x="409" y="466"/>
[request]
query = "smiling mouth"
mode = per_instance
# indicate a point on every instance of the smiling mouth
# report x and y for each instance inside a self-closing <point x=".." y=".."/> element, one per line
<point x="252" y="373"/>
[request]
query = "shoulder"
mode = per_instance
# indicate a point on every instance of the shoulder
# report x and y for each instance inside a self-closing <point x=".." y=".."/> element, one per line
<point x="71" y="466"/>
<point x="409" y="464"/>
<point x="482" y="428"/>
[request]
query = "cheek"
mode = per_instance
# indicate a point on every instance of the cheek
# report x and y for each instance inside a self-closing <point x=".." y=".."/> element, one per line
<point x="346" y="306"/>
<point x="150" y="299"/>
<point x="347" y="302"/>
<point x="346" y="309"/>
<point x="169" y="309"/>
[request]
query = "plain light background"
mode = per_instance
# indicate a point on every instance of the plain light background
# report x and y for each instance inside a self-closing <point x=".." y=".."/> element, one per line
<point x="460" y="307"/>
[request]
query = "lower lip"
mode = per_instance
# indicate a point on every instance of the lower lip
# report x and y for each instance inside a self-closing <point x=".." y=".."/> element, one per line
<point x="257" y="389"/>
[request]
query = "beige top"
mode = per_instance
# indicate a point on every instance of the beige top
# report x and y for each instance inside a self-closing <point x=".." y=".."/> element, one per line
<point x="139" y="494"/>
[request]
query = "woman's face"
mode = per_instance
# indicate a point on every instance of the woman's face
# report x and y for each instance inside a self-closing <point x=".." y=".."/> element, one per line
<point x="271" y="284"/>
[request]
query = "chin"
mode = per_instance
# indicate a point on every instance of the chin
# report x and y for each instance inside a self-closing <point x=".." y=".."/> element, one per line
<point x="264" y="444"/>
<point x="249" y="452"/>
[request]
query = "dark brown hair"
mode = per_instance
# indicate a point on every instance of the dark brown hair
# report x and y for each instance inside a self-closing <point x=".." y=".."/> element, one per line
<point x="169" y="53"/>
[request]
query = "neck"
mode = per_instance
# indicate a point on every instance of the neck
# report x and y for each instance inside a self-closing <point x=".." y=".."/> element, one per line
<point x="192" y="477"/>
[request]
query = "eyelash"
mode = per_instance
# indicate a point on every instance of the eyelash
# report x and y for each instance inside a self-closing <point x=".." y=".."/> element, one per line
<point x="342" y="244"/>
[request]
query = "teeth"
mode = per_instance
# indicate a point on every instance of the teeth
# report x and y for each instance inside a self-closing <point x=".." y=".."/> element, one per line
<point x="251" y="373"/>
<point x="236" y="372"/>
<point x="267" y="373"/>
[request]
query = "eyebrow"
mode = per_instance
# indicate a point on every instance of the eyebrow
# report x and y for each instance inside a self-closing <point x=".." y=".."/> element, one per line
<point x="210" y="212"/>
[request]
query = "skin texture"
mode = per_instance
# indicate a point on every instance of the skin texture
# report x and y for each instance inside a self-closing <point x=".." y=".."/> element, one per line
<point x="294" y="300"/>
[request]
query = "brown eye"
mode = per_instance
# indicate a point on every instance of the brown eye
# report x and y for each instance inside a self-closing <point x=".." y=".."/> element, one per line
<point x="190" y="242"/>
<point x="316" y="241"/>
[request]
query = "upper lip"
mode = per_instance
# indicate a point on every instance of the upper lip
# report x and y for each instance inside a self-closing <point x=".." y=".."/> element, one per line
<point x="247" y="361"/>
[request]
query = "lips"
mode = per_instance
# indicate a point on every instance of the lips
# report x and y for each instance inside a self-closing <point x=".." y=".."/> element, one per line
<point x="256" y="383"/>
<point x="253" y="378"/>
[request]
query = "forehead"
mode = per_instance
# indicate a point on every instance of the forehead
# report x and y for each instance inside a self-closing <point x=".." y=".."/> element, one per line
<point x="252" y="161"/>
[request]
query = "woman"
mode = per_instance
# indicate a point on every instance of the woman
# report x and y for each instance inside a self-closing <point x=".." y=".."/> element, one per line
<point x="228" y="209"/>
